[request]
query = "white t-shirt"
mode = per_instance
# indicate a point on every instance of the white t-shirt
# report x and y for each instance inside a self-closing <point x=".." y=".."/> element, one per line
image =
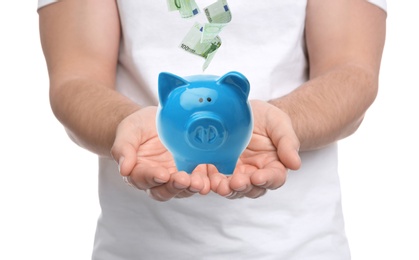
<point x="301" y="220"/>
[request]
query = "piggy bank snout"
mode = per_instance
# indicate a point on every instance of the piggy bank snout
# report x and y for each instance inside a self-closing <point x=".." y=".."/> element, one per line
<point x="205" y="131"/>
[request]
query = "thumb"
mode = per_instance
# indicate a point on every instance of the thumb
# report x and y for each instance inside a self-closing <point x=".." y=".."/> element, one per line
<point x="287" y="151"/>
<point x="125" y="155"/>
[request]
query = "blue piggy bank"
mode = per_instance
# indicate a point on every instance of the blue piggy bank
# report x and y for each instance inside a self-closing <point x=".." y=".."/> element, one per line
<point x="204" y="119"/>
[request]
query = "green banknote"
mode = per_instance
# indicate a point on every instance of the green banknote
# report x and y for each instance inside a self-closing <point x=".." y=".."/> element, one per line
<point x="203" y="40"/>
<point x="218" y="15"/>
<point x="186" y="8"/>
<point x="210" y="31"/>
<point x="192" y="43"/>
<point x="218" y="12"/>
<point x="173" y="5"/>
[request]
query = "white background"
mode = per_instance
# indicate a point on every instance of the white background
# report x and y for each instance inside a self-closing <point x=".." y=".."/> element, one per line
<point x="48" y="193"/>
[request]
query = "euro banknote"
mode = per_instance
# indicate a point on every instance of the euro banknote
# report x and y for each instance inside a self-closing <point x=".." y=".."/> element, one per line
<point x="218" y="15"/>
<point x="186" y="8"/>
<point x="203" y="40"/>
<point x="218" y="12"/>
<point x="192" y="44"/>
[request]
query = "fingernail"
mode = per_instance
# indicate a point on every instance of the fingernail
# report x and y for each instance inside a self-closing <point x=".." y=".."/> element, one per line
<point x="121" y="161"/>
<point x="242" y="188"/>
<point x="193" y="190"/>
<point x="231" y="195"/>
<point x="179" y="186"/>
<point x="228" y="195"/>
<point x="159" y="181"/>
<point x="261" y="184"/>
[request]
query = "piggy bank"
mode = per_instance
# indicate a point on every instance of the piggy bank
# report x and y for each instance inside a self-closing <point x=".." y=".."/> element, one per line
<point x="204" y="119"/>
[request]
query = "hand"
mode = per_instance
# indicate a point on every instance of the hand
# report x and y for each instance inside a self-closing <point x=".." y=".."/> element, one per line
<point x="147" y="164"/>
<point x="273" y="149"/>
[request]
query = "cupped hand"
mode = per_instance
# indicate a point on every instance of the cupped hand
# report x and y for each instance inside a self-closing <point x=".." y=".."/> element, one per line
<point x="148" y="165"/>
<point x="273" y="149"/>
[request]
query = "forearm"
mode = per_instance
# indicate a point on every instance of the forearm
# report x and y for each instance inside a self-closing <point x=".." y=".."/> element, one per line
<point x="90" y="112"/>
<point x="330" y="106"/>
<point x="80" y="40"/>
<point x="345" y="40"/>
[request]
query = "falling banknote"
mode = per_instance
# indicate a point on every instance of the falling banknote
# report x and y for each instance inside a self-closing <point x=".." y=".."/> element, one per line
<point x="192" y="43"/>
<point x="218" y="12"/>
<point x="203" y="40"/>
<point x="218" y="15"/>
<point x="186" y="8"/>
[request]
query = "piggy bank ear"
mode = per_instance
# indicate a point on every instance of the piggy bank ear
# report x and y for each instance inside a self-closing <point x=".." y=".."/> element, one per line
<point x="167" y="83"/>
<point x="237" y="80"/>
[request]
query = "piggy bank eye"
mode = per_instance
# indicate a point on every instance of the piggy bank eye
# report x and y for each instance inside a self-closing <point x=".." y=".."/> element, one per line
<point x="201" y="100"/>
<point x="209" y="99"/>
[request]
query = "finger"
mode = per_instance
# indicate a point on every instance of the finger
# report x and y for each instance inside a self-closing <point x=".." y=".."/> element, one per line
<point x="199" y="184"/>
<point x="240" y="181"/>
<point x="196" y="186"/>
<point x="269" y="177"/>
<point x="145" y="177"/>
<point x="242" y="186"/>
<point x="255" y="192"/>
<point x="185" y="194"/>
<point x="224" y="189"/>
<point x="179" y="182"/>
<point x="215" y="178"/>
<point x="200" y="181"/>
<point x="235" y="195"/>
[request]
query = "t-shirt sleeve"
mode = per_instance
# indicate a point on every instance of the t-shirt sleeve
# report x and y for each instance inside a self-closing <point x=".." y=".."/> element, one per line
<point x="380" y="3"/>
<point x="42" y="3"/>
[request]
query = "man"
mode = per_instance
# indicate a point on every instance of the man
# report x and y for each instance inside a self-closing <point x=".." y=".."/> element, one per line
<point x="313" y="67"/>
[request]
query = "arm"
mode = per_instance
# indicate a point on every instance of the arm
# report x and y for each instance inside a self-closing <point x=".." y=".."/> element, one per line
<point x="80" y="40"/>
<point x="345" y="40"/>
